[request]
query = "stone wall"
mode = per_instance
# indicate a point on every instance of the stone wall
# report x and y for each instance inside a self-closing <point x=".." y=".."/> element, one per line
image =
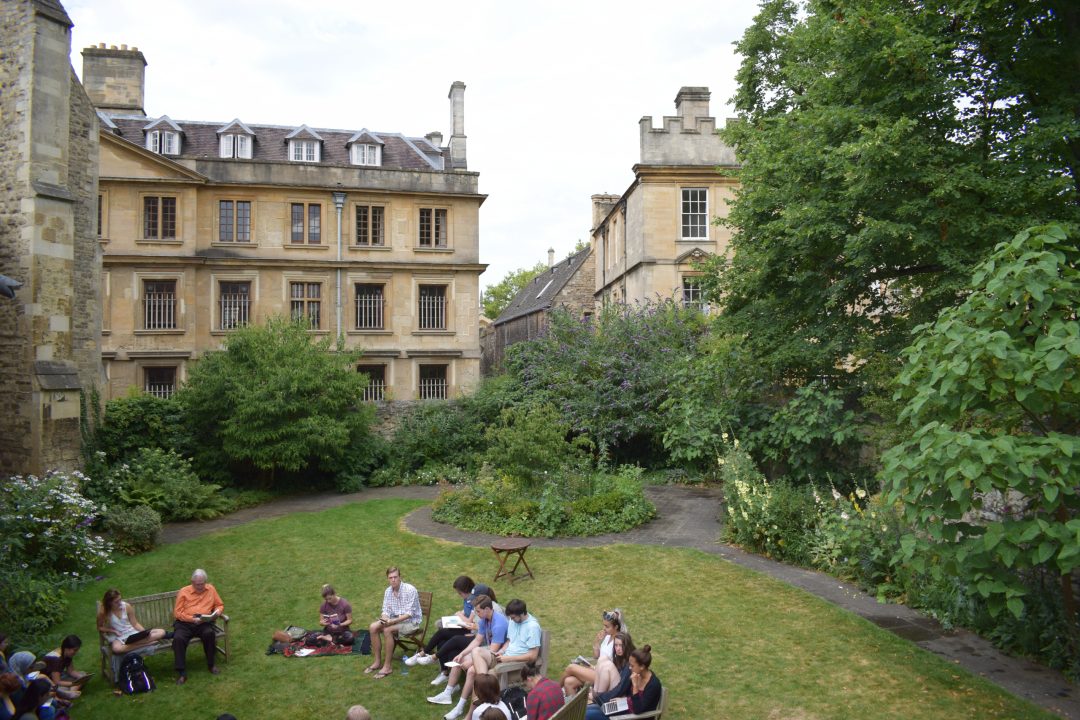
<point x="16" y="353"/>
<point x="49" y="334"/>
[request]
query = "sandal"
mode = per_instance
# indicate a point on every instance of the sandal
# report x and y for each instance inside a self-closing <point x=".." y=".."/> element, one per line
<point x="383" y="673"/>
<point x="373" y="668"/>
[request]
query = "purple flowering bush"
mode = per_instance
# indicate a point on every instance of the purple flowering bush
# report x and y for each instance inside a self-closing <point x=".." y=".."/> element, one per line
<point x="609" y="376"/>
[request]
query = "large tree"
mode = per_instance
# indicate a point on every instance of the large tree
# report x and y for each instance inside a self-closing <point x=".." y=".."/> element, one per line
<point x="886" y="147"/>
<point x="277" y="400"/>
<point x="989" y="473"/>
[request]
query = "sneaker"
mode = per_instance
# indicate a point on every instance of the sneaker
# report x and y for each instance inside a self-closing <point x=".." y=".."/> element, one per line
<point x="443" y="698"/>
<point x="412" y="660"/>
<point x="440" y="679"/>
<point x="454" y="714"/>
<point x="423" y="659"/>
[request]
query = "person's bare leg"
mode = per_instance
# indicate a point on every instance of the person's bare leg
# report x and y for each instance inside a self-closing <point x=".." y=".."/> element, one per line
<point x="388" y="649"/>
<point x="607" y="676"/>
<point x="374" y="632"/>
<point x="480" y="658"/>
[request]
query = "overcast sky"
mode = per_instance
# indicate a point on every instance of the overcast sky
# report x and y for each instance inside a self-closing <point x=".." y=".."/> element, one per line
<point x="553" y="98"/>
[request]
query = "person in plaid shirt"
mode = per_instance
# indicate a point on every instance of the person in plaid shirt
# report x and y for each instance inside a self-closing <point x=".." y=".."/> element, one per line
<point x="545" y="695"/>
<point x="401" y="615"/>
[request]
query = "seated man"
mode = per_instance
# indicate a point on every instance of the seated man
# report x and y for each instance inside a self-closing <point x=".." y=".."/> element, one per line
<point x="335" y="617"/>
<point x="545" y="696"/>
<point x="197" y="606"/>
<point x="491" y="633"/>
<point x="522" y="645"/>
<point x="401" y="615"/>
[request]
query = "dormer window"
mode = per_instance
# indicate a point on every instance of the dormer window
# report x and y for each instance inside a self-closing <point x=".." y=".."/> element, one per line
<point x="235" y="146"/>
<point x="363" y="154"/>
<point x="304" y="150"/>
<point x="163" y="142"/>
<point x="163" y="136"/>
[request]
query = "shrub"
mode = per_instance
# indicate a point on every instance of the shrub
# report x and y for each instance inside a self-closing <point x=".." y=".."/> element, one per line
<point x="165" y="482"/>
<point x="32" y="601"/>
<point x="774" y="518"/>
<point x="609" y="377"/>
<point x="45" y="526"/>
<point x="529" y="443"/>
<point x="138" y="421"/>
<point x="568" y="504"/>
<point x="133" y="530"/>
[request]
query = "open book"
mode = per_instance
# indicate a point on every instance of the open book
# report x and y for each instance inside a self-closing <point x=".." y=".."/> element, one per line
<point x="452" y="621"/>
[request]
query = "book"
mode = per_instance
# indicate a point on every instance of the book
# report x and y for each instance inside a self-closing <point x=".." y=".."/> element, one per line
<point x="452" y="621"/>
<point x="582" y="660"/>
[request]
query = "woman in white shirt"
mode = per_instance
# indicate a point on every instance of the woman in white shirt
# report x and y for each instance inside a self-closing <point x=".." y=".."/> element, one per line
<point x="600" y="673"/>
<point x="118" y="623"/>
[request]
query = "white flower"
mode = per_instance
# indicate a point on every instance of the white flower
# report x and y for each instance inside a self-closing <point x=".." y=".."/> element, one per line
<point x="836" y="495"/>
<point x="860" y="492"/>
<point x="843" y="516"/>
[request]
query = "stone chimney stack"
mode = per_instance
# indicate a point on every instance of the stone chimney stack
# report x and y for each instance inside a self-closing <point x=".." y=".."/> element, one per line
<point x="601" y="206"/>
<point x="692" y="103"/>
<point x="435" y="138"/>
<point x="551" y="257"/>
<point x="115" y="79"/>
<point x="457" y="124"/>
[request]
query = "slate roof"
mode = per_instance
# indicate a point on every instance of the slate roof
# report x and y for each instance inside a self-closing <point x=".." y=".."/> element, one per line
<point x="544" y="288"/>
<point x="200" y="140"/>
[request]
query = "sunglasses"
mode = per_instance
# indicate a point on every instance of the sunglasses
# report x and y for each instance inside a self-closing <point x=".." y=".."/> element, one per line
<point x="611" y="616"/>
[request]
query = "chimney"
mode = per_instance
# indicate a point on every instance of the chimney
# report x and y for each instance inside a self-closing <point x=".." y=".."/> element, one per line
<point x="457" y="124"/>
<point x="551" y="257"/>
<point x="692" y="103"/>
<point x="435" y="138"/>
<point x="115" y="78"/>
<point x="601" y="206"/>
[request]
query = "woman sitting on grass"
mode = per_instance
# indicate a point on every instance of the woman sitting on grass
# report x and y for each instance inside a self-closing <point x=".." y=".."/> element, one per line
<point x="59" y="668"/>
<point x="118" y="623"/>
<point x="644" y="692"/>
<point x="602" y="673"/>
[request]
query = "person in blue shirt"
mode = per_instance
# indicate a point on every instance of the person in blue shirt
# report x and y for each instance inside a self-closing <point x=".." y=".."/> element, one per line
<point x="491" y="636"/>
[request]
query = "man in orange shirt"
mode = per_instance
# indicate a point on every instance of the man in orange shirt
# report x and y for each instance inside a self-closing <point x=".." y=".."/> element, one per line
<point x="197" y="606"/>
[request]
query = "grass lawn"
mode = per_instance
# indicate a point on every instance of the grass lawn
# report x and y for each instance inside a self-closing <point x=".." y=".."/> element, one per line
<point x="728" y="643"/>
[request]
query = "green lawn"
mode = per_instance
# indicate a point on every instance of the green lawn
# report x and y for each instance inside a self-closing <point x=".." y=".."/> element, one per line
<point x="728" y="643"/>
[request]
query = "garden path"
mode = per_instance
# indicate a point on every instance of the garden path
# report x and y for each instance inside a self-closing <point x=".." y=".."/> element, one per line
<point x="690" y="517"/>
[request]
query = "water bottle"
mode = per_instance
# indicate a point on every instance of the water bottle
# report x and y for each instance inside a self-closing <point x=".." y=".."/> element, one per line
<point x="404" y="665"/>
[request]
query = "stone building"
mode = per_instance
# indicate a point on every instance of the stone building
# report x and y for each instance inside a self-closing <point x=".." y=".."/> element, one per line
<point x="646" y="240"/>
<point x="365" y="235"/>
<point x="50" y="331"/>
<point x="567" y="285"/>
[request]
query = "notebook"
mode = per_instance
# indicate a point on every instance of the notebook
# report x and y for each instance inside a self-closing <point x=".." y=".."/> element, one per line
<point x="618" y="705"/>
<point x="136" y="637"/>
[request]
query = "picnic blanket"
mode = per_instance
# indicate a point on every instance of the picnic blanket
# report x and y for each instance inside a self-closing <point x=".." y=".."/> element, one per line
<point x="298" y="649"/>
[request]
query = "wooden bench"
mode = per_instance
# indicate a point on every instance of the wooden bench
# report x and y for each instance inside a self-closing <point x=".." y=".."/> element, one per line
<point x="156" y="611"/>
<point x="505" y="670"/>
<point x="416" y="640"/>
<point x="575" y="708"/>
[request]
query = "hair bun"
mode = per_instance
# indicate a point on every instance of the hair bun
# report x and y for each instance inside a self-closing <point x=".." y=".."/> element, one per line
<point x="646" y="648"/>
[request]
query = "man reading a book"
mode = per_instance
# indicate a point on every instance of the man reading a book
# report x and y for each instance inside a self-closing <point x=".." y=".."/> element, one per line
<point x="197" y="606"/>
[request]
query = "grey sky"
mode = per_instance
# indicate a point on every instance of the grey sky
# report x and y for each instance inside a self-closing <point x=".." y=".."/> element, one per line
<point x="554" y="89"/>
